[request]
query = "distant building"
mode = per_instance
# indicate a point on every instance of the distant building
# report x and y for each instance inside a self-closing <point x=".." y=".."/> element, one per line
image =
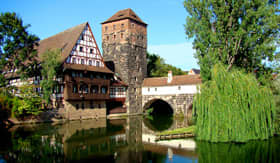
<point x="194" y="71"/>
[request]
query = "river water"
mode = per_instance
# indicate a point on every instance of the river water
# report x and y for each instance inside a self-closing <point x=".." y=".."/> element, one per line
<point x="123" y="140"/>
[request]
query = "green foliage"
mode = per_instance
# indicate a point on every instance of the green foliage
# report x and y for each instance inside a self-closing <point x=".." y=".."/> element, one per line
<point x="233" y="107"/>
<point x="16" y="47"/>
<point x="237" y="33"/>
<point x="50" y="66"/>
<point x="28" y="102"/>
<point x="156" y="67"/>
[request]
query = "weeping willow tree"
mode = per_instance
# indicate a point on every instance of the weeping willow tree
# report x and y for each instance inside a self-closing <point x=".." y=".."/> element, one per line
<point x="233" y="107"/>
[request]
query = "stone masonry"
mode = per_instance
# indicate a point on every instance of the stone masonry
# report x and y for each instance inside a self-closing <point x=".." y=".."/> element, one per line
<point x="180" y="103"/>
<point x="124" y="43"/>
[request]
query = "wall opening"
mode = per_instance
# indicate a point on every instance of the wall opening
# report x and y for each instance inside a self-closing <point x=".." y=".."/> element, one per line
<point x="158" y="107"/>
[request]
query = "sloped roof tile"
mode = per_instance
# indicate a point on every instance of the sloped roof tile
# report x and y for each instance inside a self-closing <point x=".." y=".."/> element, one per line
<point x="176" y="80"/>
<point x="124" y="14"/>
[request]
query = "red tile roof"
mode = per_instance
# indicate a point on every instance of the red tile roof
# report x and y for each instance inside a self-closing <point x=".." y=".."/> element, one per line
<point x="176" y="80"/>
<point x="124" y="14"/>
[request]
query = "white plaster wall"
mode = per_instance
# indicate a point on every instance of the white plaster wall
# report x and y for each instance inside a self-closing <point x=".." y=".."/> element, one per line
<point x="170" y="90"/>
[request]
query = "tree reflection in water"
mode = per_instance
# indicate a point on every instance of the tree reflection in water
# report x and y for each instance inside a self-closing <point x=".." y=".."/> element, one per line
<point x="253" y="151"/>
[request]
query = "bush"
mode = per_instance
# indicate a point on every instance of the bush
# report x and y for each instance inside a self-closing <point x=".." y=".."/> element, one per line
<point x="233" y="107"/>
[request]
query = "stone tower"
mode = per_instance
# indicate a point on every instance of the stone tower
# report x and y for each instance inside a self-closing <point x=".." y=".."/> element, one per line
<point x="124" y="44"/>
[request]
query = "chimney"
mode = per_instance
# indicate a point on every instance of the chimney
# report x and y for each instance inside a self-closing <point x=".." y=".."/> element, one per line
<point x="169" y="79"/>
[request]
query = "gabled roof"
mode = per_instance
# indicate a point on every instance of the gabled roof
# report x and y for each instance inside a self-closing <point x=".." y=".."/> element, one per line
<point x="124" y="14"/>
<point x="176" y="80"/>
<point x="65" y="41"/>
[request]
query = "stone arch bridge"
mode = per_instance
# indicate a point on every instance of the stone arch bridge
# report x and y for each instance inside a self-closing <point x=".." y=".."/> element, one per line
<point x="177" y="91"/>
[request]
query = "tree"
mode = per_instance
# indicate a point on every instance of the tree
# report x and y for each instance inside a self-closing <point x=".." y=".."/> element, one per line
<point x="241" y="33"/>
<point x="233" y="107"/>
<point x="17" y="53"/>
<point x="49" y="71"/>
<point x="156" y="67"/>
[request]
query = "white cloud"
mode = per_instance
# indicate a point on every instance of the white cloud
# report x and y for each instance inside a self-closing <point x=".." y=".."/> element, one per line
<point x="180" y="55"/>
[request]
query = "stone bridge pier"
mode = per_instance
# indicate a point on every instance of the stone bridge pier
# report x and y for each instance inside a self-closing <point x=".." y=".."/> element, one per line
<point x="180" y="103"/>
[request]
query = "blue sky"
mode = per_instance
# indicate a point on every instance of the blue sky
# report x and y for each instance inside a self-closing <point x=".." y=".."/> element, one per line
<point x="165" y="19"/>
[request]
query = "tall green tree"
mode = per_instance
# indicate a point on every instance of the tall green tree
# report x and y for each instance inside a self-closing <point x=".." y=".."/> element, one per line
<point x="157" y="67"/>
<point x="17" y="53"/>
<point x="241" y="33"/>
<point x="49" y="70"/>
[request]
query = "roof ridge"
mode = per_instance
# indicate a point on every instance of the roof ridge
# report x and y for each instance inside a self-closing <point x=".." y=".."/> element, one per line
<point x="71" y="28"/>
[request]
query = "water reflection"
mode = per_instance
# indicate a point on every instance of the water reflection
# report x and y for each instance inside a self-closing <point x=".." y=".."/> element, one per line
<point x="120" y="140"/>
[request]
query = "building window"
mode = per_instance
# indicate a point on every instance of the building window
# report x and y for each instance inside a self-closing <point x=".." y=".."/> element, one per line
<point x="107" y="38"/>
<point x="91" y="105"/>
<point x="83" y="106"/>
<point x="179" y="87"/>
<point x="132" y="25"/>
<point x="114" y="27"/>
<point x="77" y="106"/>
<point x="122" y="25"/>
<point x="97" y="63"/>
<point x="103" y="90"/>
<point x="74" y="60"/>
<point x="114" y="37"/>
<point x="106" y="28"/>
<point x="99" y="106"/>
<point x="81" y="49"/>
<point x="90" y="62"/>
<point x="155" y="89"/>
<point x="148" y="89"/>
<point x="75" y="88"/>
<point x="121" y="35"/>
<point x="91" y="51"/>
<point x="82" y="61"/>
<point x="82" y="38"/>
<point x="94" y="89"/>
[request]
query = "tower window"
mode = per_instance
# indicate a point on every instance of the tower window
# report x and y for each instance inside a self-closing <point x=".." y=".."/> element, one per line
<point x="81" y="49"/>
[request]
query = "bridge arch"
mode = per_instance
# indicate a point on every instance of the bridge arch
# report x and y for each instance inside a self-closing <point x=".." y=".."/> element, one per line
<point x="160" y="106"/>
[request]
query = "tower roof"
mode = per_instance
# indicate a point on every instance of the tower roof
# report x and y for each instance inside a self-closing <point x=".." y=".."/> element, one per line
<point x="124" y="14"/>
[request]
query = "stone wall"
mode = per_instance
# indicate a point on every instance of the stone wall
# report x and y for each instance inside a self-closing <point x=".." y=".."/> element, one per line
<point x="97" y="109"/>
<point x="125" y="45"/>
<point x="179" y="103"/>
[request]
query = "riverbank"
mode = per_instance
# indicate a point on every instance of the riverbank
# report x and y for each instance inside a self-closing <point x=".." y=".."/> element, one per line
<point x="186" y="132"/>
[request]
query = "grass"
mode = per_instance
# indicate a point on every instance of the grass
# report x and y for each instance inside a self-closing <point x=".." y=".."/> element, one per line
<point x="189" y="129"/>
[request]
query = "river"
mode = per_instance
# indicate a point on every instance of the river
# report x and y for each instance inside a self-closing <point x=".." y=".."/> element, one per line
<point x="129" y="139"/>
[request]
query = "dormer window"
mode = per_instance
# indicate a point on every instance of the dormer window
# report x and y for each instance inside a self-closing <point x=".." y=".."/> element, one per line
<point x="81" y="49"/>
<point x="120" y="15"/>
